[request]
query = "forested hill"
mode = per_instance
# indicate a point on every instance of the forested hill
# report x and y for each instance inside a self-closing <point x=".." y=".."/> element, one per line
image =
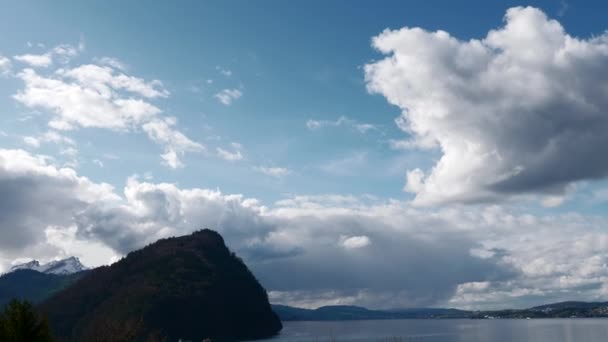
<point x="189" y="287"/>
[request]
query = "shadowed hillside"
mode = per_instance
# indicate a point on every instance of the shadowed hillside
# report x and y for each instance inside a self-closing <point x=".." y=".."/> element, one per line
<point x="33" y="285"/>
<point x="189" y="287"/>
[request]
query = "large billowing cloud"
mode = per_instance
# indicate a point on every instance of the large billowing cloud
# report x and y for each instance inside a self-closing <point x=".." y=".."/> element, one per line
<point x="312" y="250"/>
<point x="523" y="110"/>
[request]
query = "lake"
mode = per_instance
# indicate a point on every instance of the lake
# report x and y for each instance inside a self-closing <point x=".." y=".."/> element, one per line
<point x="449" y="330"/>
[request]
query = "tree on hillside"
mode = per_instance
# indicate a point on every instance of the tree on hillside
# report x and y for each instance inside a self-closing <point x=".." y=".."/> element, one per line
<point x="21" y="323"/>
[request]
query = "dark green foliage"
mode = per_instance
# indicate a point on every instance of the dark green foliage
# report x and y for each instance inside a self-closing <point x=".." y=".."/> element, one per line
<point x="21" y="323"/>
<point x="33" y="286"/>
<point x="189" y="287"/>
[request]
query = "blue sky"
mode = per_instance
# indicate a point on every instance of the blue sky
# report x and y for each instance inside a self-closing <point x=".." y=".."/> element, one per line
<point x="292" y="62"/>
<point x="308" y="112"/>
<point x="284" y="85"/>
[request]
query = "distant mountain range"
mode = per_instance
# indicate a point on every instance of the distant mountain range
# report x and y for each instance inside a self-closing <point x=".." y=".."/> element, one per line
<point x="66" y="266"/>
<point x="343" y="313"/>
<point x="555" y="310"/>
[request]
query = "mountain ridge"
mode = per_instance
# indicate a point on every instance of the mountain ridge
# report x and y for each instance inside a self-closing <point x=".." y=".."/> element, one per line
<point x="68" y="265"/>
<point x="351" y="312"/>
<point x="564" y="309"/>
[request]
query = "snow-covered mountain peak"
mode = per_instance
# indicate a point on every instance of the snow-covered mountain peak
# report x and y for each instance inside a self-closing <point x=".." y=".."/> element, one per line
<point x="66" y="266"/>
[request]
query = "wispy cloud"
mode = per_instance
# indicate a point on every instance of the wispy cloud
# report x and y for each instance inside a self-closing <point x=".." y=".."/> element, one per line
<point x="563" y="8"/>
<point x="224" y="71"/>
<point x="228" y="96"/>
<point x="63" y="53"/>
<point x="48" y="137"/>
<point x="31" y="141"/>
<point x="175" y="143"/>
<point x="276" y="172"/>
<point x="113" y="62"/>
<point x="229" y="156"/>
<point x="341" y="121"/>
<point x="346" y="166"/>
<point x="98" y="162"/>
<point x="102" y="96"/>
<point x="5" y="65"/>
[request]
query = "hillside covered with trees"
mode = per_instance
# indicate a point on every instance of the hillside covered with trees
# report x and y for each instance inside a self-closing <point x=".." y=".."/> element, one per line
<point x="189" y="287"/>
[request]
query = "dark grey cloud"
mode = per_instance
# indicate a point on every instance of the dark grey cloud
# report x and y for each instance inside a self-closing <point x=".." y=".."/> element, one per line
<point x="35" y="196"/>
<point x="314" y="250"/>
<point x="302" y="253"/>
<point x="401" y="268"/>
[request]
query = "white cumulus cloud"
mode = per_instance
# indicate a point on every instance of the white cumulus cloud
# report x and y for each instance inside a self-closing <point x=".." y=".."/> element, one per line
<point x="100" y="96"/>
<point x="522" y="110"/>
<point x="80" y="98"/>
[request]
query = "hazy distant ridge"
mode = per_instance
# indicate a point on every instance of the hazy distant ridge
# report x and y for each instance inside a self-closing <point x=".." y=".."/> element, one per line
<point x="343" y="312"/>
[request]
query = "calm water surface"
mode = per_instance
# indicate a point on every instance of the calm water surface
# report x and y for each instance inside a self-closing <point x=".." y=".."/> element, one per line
<point x="500" y="330"/>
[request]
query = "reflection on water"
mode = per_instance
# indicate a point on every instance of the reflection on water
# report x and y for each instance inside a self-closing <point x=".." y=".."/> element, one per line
<point x="461" y="330"/>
